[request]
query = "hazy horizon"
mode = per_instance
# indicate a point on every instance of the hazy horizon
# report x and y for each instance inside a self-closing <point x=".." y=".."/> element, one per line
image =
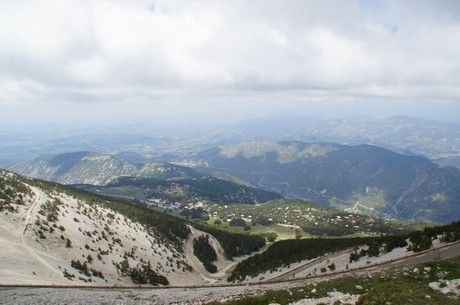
<point x="81" y="62"/>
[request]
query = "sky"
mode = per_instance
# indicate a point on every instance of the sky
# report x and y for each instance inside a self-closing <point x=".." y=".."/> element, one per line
<point x="80" y="61"/>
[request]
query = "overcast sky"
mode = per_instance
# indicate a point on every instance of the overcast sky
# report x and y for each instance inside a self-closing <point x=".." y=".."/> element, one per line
<point x="128" y="60"/>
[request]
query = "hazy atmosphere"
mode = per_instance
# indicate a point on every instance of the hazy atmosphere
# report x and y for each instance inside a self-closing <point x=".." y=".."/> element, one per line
<point x="68" y="61"/>
<point x="295" y="152"/>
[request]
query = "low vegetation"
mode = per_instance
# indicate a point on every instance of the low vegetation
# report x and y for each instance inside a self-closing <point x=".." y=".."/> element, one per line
<point x="312" y="220"/>
<point x="51" y="210"/>
<point x="141" y="274"/>
<point x="167" y="228"/>
<point x="13" y="192"/>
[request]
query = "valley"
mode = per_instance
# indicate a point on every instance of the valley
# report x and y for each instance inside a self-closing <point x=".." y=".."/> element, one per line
<point x="247" y="220"/>
<point x="199" y="152"/>
<point x="73" y="238"/>
<point x="362" y="179"/>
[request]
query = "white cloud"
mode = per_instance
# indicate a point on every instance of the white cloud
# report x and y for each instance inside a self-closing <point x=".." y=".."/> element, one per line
<point x="198" y="55"/>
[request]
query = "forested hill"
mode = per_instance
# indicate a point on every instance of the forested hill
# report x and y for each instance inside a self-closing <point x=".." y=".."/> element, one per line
<point x="361" y="178"/>
<point x="206" y="188"/>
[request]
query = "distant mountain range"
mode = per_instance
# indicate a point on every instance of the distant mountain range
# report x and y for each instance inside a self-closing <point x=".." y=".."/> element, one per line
<point x="154" y="180"/>
<point x="361" y="178"/>
<point x="438" y="141"/>
<point x="143" y="143"/>
<point x="364" y="179"/>
<point x="95" y="168"/>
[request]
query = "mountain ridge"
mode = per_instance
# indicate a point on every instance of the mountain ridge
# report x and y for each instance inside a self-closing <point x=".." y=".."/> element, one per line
<point x="95" y="168"/>
<point x="142" y="143"/>
<point x="373" y="178"/>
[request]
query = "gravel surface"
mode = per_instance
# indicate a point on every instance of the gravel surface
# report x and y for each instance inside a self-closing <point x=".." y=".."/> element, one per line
<point x="70" y="296"/>
<point x="55" y="296"/>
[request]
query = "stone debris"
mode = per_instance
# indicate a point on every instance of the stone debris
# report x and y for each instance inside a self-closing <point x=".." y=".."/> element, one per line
<point x="447" y="287"/>
<point x="332" y="297"/>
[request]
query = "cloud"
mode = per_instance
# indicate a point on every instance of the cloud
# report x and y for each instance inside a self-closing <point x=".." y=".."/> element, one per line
<point x="202" y="54"/>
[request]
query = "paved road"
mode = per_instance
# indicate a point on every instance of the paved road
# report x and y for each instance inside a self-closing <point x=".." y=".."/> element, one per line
<point x="436" y="254"/>
<point x="449" y="251"/>
<point x="178" y="295"/>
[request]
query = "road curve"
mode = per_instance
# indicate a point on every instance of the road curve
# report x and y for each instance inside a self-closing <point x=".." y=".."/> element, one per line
<point x="444" y="252"/>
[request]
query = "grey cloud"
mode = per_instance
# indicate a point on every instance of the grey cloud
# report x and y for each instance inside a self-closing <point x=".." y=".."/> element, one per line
<point x="186" y="55"/>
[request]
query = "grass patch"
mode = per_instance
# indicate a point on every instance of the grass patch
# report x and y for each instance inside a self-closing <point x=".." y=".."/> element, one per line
<point x="399" y="286"/>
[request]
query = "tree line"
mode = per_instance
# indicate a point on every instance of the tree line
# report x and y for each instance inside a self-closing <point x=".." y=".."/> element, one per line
<point x="283" y="253"/>
<point x="205" y="253"/>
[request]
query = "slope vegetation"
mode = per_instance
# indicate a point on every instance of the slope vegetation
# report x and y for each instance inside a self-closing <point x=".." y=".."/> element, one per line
<point x="182" y="190"/>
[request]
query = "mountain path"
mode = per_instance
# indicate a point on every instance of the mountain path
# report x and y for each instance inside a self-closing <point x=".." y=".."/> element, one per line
<point x="40" y="198"/>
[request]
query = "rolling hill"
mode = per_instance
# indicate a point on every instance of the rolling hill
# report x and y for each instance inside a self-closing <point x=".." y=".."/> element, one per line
<point x="360" y="178"/>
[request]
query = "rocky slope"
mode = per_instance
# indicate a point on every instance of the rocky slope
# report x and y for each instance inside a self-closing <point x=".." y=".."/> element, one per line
<point x="52" y="235"/>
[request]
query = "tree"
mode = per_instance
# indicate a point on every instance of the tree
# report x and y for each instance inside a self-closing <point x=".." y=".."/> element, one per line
<point x="205" y="253"/>
<point x="298" y="235"/>
<point x="271" y="236"/>
<point x="237" y="222"/>
<point x="373" y="250"/>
